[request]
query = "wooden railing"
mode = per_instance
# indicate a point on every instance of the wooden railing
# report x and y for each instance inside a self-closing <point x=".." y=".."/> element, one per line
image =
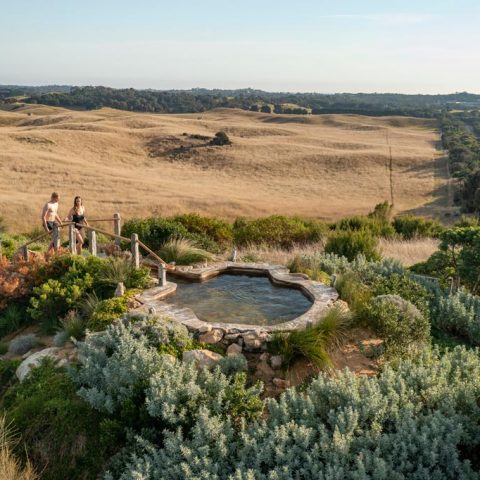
<point x="135" y="243"/>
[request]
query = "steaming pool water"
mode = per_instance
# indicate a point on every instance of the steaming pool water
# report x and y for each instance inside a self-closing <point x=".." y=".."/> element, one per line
<point x="240" y="299"/>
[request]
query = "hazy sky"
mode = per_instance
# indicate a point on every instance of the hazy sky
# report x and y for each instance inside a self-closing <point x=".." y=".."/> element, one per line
<point x="424" y="46"/>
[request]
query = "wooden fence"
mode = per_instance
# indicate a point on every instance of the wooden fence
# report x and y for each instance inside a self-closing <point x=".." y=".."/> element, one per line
<point x="134" y="241"/>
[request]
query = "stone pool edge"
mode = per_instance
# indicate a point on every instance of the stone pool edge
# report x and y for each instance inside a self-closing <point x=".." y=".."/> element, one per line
<point x="321" y="295"/>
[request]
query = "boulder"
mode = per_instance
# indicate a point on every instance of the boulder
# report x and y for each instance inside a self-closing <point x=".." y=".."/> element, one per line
<point x="204" y="329"/>
<point x="202" y="358"/>
<point x="264" y="371"/>
<point x="34" y="360"/>
<point x="281" y="383"/>
<point x="234" y="349"/>
<point x="213" y="336"/>
<point x="254" y="340"/>
<point x="276" y="361"/>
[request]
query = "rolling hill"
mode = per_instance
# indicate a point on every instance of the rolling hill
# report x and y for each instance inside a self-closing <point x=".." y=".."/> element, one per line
<point x="138" y="164"/>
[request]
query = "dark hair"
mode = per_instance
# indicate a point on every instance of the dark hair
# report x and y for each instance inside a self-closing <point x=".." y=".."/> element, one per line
<point x="75" y="202"/>
<point x="54" y="195"/>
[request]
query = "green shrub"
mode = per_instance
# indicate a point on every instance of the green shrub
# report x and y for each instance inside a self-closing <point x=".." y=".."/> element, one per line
<point x="12" y="318"/>
<point x="419" y="421"/>
<point x="106" y="311"/>
<point x="11" y="244"/>
<point x="376" y="226"/>
<point x="382" y="211"/>
<point x="311" y="266"/>
<point x="407" y="288"/>
<point x="313" y="343"/>
<point x="232" y="365"/>
<point x="410" y="226"/>
<point x="399" y="323"/>
<point x="183" y="251"/>
<point x="3" y="348"/>
<point x="277" y="231"/>
<point x="62" y="434"/>
<point x="23" y="343"/>
<point x="73" y="325"/>
<point x="351" y="244"/>
<point x="214" y="229"/>
<point x="155" y="231"/>
<point x="220" y="139"/>
<point x="53" y="299"/>
<point x="7" y="373"/>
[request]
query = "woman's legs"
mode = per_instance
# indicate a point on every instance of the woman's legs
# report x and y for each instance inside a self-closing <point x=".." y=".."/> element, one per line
<point x="79" y="241"/>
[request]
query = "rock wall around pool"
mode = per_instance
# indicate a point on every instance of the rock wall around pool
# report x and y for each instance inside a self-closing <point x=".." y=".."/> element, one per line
<point x="250" y="337"/>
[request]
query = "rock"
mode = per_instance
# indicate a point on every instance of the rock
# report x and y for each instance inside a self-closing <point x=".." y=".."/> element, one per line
<point x="280" y="383"/>
<point x="213" y="336"/>
<point x="342" y="305"/>
<point x="120" y="290"/>
<point x="264" y="356"/>
<point x="34" y="360"/>
<point x="254" y="340"/>
<point x="202" y="358"/>
<point x="234" y="349"/>
<point x="264" y="371"/>
<point x="204" y="329"/>
<point x="231" y="337"/>
<point x="26" y="355"/>
<point x="276" y="361"/>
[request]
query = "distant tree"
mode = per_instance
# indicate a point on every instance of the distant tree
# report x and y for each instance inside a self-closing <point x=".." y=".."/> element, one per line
<point x="221" y="138"/>
<point x="266" y="109"/>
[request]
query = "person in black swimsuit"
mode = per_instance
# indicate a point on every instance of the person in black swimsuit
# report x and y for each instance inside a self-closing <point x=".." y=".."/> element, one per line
<point x="77" y="215"/>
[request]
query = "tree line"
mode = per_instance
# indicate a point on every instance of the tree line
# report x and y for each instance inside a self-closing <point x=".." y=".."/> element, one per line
<point x="199" y="100"/>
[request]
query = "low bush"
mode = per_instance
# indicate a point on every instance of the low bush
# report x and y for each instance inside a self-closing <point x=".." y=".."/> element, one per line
<point x="12" y="318"/>
<point x="106" y="311"/>
<point x="350" y="244"/>
<point x="214" y="229"/>
<point x="22" y="344"/>
<point x="399" y="323"/>
<point x="73" y="325"/>
<point x="183" y="251"/>
<point x="53" y="299"/>
<point x="232" y="365"/>
<point x="376" y="226"/>
<point x="410" y="226"/>
<point x="414" y="422"/>
<point x="7" y="373"/>
<point x="63" y="435"/>
<point x="278" y="231"/>
<point x="311" y="266"/>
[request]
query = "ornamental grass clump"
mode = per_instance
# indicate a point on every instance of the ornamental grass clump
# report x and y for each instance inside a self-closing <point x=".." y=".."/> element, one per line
<point x="183" y="251"/>
<point x="314" y="343"/>
<point x="11" y="468"/>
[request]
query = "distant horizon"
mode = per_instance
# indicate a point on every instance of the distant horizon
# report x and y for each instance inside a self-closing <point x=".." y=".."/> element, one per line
<point x="51" y="84"/>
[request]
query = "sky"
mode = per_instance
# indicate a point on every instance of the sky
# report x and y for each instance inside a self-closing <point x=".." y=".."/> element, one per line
<point x="422" y="46"/>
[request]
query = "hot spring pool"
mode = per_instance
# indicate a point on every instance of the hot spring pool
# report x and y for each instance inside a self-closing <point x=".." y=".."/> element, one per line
<point x="240" y="299"/>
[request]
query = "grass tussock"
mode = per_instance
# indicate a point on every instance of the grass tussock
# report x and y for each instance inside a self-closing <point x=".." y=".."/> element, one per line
<point x="11" y="468"/>
<point x="316" y="342"/>
<point x="409" y="252"/>
<point x="183" y="251"/>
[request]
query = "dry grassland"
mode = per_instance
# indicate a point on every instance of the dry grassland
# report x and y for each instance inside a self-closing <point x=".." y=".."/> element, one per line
<point x="138" y="164"/>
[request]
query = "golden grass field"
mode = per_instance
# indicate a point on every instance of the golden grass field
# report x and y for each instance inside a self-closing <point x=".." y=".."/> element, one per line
<point x="325" y="166"/>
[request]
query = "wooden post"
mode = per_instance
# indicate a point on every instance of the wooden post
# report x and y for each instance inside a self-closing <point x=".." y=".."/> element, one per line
<point x="162" y="275"/>
<point x="92" y="242"/>
<point x="234" y="254"/>
<point x="55" y="237"/>
<point x="135" y="250"/>
<point x="25" y="252"/>
<point x="117" y="228"/>
<point x="72" y="243"/>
